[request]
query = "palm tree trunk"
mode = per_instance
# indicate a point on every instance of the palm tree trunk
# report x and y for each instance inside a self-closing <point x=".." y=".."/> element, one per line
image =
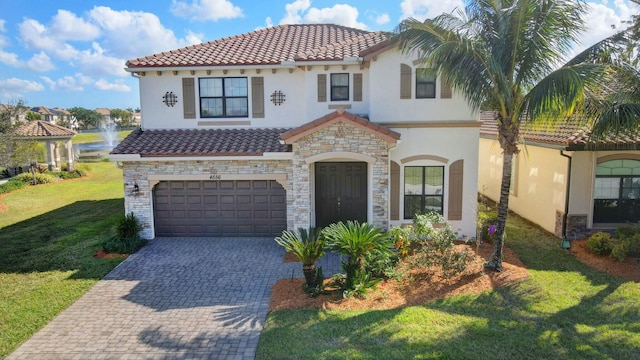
<point x="495" y="263"/>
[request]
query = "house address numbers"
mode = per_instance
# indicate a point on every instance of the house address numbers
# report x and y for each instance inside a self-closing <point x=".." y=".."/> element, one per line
<point x="215" y="177"/>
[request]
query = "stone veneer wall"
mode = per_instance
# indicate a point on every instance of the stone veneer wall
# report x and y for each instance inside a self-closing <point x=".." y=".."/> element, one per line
<point x="138" y="172"/>
<point x="576" y="225"/>
<point x="341" y="137"/>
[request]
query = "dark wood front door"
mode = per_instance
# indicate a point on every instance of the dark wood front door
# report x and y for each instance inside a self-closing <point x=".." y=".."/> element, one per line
<point x="341" y="192"/>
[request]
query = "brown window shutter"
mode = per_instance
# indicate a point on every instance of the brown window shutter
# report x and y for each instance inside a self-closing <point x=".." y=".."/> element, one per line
<point x="405" y="81"/>
<point x="357" y="87"/>
<point x="445" y="90"/>
<point x="394" y="206"/>
<point x="188" y="98"/>
<point x="322" y="87"/>
<point x="257" y="97"/>
<point x="456" y="172"/>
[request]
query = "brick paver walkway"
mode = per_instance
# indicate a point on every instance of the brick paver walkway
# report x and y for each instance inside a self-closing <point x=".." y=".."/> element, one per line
<point x="178" y="298"/>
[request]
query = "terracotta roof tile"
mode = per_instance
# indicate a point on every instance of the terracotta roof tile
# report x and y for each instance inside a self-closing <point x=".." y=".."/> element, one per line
<point x="570" y="135"/>
<point x="41" y="128"/>
<point x="202" y="142"/>
<point x="308" y="42"/>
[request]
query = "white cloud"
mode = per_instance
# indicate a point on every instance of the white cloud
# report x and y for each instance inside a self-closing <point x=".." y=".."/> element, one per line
<point x="2" y="25"/>
<point x="36" y="36"/>
<point x="382" y="19"/>
<point x="103" y="84"/>
<point x="131" y="34"/>
<point x="427" y="9"/>
<point x="39" y="62"/>
<point x="300" y="11"/>
<point x="65" y="25"/>
<point x="67" y="83"/>
<point x="14" y="88"/>
<point x="96" y="62"/>
<point x="206" y="10"/>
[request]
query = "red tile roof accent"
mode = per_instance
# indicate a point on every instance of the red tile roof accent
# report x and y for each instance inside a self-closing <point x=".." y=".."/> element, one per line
<point x="382" y="131"/>
<point x="39" y="128"/>
<point x="271" y="46"/>
<point x="202" y="142"/>
<point x="567" y="134"/>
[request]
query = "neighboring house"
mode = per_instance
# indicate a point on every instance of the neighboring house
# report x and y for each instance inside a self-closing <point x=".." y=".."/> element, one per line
<point x="20" y="117"/>
<point x="105" y="118"/>
<point x="46" y="114"/>
<point x="65" y="118"/>
<point x="296" y="126"/>
<point x="562" y="182"/>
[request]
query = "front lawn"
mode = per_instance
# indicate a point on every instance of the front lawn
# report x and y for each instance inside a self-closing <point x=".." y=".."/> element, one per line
<point x="48" y="234"/>
<point x="565" y="310"/>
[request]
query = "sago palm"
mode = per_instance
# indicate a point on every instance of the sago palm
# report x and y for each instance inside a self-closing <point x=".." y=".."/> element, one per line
<point x="505" y="56"/>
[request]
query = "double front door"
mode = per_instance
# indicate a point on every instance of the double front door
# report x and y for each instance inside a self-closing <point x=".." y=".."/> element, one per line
<point x="340" y="192"/>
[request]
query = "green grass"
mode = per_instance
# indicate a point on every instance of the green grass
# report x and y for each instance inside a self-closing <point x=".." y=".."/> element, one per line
<point x="565" y="310"/>
<point x="48" y="234"/>
<point x="93" y="137"/>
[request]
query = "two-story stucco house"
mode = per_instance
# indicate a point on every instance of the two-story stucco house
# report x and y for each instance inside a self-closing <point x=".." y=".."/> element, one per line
<point x="296" y="126"/>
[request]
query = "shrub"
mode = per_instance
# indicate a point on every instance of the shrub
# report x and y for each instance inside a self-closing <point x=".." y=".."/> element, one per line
<point x="487" y="219"/>
<point x="40" y="178"/>
<point x="12" y="185"/>
<point x="627" y="231"/>
<point x="626" y="245"/>
<point x="438" y="250"/>
<point x="127" y="239"/>
<point x="128" y="227"/>
<point x="308" y="247"/>
<point x="600" y="243"/>
<point x="362" y="244"/>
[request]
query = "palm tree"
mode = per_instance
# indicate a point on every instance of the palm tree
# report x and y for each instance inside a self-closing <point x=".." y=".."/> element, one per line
<point x="505" y="56"/>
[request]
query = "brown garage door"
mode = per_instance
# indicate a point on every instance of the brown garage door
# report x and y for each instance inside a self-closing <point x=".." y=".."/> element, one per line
<point x="219" y="208"/>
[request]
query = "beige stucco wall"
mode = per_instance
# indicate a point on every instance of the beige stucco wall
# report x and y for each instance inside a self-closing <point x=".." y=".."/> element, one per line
<point x="539" y="188"/>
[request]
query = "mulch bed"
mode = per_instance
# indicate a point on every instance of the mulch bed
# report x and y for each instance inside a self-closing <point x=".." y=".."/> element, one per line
<point x="288" y="293"/>
<point x="101" y="254"/>
<point x="629" y="269"/>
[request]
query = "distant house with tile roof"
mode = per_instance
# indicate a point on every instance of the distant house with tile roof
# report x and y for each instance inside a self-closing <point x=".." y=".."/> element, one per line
<point x="563" y="181"/>
<point x="296" y="126"/>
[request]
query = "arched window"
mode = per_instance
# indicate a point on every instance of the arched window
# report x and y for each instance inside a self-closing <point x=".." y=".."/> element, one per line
<point x="617" y="191"/>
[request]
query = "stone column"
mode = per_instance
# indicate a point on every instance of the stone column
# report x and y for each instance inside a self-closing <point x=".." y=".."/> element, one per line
<point x="69" y="146"/>
<point x="51" y="154"/>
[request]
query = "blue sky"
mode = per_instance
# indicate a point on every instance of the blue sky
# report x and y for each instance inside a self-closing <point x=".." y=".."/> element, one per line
<point x="72" y="53"/>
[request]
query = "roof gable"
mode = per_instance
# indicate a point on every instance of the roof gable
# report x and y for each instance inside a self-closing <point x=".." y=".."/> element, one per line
<point x="39" y="129"/>
<point x="380" y="131"/>
<point x="271" y="46"/>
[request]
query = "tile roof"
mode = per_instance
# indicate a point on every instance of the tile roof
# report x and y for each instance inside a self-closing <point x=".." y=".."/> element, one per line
<point x="38" y="129"/>
<point x="570" y="135"/>
<point x="271" y="46"/>
<point x="202" y="142"/>
<point x="382" y="131"/>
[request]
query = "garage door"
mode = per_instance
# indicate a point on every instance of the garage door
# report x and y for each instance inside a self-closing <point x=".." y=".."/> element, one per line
<point x="220" y="208"/>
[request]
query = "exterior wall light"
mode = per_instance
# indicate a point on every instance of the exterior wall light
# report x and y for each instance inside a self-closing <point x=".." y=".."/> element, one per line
<point x="170" y="99"/>
<point x="277" y="98"/>
<point x="135" y="190"/>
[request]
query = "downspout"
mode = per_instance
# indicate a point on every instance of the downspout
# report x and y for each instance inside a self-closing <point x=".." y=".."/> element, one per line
<point x="567" y="194"/>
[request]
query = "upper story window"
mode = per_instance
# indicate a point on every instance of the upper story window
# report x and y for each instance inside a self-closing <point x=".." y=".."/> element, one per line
<point x="423" y="190"/>
<point x="339" y="87"/>
<point x="425" y="84"/>
<point x="224" y="97"/>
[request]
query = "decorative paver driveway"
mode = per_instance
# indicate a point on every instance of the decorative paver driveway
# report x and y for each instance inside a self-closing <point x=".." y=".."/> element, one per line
<point x="177" y="298"/>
